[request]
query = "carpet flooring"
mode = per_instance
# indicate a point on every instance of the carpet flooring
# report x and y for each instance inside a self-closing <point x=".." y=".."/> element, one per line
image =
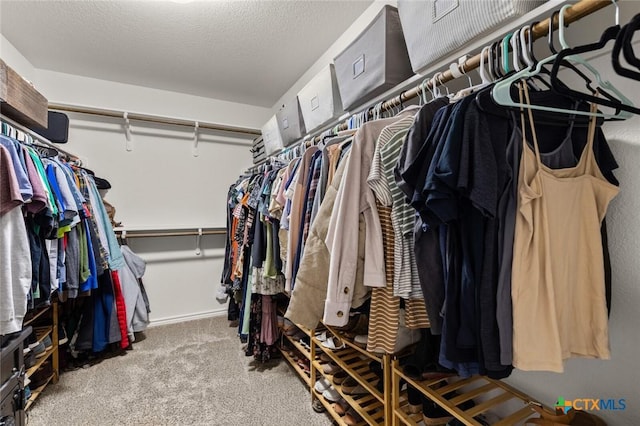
<point x="192" y="373"/>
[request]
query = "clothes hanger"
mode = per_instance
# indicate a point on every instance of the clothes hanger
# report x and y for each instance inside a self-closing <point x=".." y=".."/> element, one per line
<point x="495" y="66"/>
<point x="573" y="55"/>
<point x="501" y="91"/>
<point x="624" y="38"/>
<point x="629" y="53"/>
<point x="504" y="53"/>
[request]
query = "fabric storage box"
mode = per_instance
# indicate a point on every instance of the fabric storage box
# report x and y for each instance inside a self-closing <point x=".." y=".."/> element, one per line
<point x="290" y="122"/>
<point x="435" y="28"/>
<point x="320" y="99"/>
<point x="375" y="61"/>
<point x="271" y="136"/>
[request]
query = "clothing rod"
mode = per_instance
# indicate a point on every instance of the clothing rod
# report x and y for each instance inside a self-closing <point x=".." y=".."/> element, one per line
<point x="36" y="136"/>
<point x="133" y="234"/>
<point x="152" y="118"/>
<point x="574" y="13"/>
<point x="169" y="232"/>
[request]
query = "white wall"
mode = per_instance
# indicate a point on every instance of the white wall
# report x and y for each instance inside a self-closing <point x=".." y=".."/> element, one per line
<point x="12" y="57"/>
<point x="160" y="183"/>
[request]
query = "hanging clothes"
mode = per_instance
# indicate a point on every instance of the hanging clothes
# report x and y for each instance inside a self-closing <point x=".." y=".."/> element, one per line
<point x="559" y="297"/>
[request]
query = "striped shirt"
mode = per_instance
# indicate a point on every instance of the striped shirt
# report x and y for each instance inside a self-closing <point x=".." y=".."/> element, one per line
<point x="382" y="182"/>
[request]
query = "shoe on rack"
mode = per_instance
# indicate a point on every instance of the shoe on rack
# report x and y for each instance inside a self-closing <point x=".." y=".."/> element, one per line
<point x="433" y="414"/>
<point x="318" y="406"/>
<point x="29" y="360"/>
<point x="352" y="417"/>
<point x="322" y="385"/>
<point x="32" y="341"/>
<point x="361" y="340"/>
<point x="325" y="358"/>
<point x="331" y="368"/>
<point x="39" y="350"/>
<point x="333" y="343"/>
<point x="414" y="398"/>
<point x="331" y="394"/>
<point x="27" y="394"/>
<point x="322" y="336"/>
<point x="340" y="377"/>
<point x="340" y="407"/>
<point x="48" y="344"/>
<point x="41" y="375"/>
<point x="357" y="390"/>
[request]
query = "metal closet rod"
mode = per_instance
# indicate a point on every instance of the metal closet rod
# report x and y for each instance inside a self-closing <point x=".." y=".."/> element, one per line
<point x="36" y="136"/>
<point x="152" y="118"/>
<point x="161" y="233"/>
<point x="541" y="29"/>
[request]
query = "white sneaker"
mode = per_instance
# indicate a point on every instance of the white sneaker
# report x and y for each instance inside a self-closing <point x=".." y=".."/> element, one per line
<point x="322" y="385"/>
<point x="331" y="395"/>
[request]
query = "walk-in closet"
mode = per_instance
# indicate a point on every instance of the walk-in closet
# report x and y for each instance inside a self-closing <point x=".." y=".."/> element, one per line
<point x="349" y="212"/>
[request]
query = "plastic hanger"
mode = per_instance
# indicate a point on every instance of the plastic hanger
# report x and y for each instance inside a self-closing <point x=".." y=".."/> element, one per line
<point x="505" y="53"/>
<point x="501" y="91"/>
<point x="495" y="66"/>
<point x="629" y="54"/>
<point x="572" y="54"/>
<point x="624" y="38"/>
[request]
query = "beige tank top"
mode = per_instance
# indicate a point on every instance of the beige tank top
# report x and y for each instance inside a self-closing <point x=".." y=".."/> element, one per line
<point x="558" y="292"/>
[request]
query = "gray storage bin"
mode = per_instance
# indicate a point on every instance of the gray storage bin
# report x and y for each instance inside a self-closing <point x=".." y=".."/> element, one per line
<point x="290" y="122"/>
<point x="271" y="136"/>
<point x="320" y="99"/>
<point x="436" y="28"/>
<point x="375" y="61"/>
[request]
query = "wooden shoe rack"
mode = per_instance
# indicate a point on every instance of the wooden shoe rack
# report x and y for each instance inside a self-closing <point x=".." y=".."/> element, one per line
<point x="487" y="393"/>
<point x="45" y="323"/>
<point x="390" y="407"/>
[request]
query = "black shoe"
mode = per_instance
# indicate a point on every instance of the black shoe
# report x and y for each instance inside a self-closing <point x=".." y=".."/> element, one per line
<point x="29" y="360"/>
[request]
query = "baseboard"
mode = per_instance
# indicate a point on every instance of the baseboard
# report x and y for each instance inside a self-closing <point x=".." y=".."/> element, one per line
<point x="188" y="317"/>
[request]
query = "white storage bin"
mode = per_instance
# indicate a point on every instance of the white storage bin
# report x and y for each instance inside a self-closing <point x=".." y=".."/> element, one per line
<point x="290" y="122"/>
<point x="320" y="99"/>
<point x="271" y="136"/>
<point x="375" y="61"/>
<point x="436" y="28"/>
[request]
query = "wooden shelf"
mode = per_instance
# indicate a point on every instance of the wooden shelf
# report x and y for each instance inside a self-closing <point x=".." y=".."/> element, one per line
<point x="298" y="346"/>
<point x="42" y="332"/>
<point x="35" y="393"/>
<point x="40" y="361"/>
<point x="37" y="315"/>
<point x="306" y="377"/>
<point x="494" y="392"/>
<point x="351" y="361"/>
<point x="328" y="405"/>
<point x="352" y="345"/>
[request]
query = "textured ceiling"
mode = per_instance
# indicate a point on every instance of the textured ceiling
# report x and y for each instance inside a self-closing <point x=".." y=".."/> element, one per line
<point x="243" y="51"/>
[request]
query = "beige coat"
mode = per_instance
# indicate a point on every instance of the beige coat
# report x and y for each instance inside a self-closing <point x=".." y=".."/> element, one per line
<point x="310" y="290"/>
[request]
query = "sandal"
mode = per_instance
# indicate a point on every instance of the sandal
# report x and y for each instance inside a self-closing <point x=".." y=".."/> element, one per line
<point x="340" y="377"/>
<point x="333" y="343"/>
<point x="352" y="417"/>
<point x="341" y="407"/>
<point x="331" y="368"/>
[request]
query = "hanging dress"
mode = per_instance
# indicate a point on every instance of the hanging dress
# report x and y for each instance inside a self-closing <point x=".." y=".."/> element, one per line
<point x="558" y="290"/>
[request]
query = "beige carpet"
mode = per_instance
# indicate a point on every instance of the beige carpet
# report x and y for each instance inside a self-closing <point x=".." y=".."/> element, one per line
<point x="192" y="373"/>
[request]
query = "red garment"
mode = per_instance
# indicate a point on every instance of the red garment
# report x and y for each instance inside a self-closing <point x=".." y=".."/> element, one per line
<point x="121" y="309"/>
